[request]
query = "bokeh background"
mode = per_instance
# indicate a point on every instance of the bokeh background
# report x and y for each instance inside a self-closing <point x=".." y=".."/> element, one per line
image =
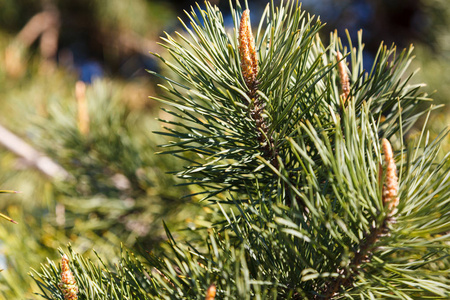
<point x="76" y="123"/>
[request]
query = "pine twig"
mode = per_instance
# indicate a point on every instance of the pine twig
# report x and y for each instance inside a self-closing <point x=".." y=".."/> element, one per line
<point x="368" y="245"/>
<point x="249" y="66"/>
<point x="363" y="255"/>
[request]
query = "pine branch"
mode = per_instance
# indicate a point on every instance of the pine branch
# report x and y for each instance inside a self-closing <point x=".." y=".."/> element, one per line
<point x="249" y="65"/>
<point x="365" y="232"/>
<point x="367" y="246"/>
<point x="363" y="255"/>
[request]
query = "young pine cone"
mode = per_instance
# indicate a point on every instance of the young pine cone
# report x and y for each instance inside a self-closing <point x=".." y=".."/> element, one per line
<point x="390" y="186"/>
<point x="247" y="52"/>
<point x="68" y="285"/>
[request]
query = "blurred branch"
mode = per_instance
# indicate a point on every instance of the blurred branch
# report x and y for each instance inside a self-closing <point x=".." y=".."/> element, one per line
<point x="45" y="24"/>
<point x="36" y="26"/>
<point x="128" y="41"/>
<point x="36" y="159"/>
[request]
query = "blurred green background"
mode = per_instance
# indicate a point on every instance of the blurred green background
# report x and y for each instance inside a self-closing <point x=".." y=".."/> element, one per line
<point x="73" y="87"/>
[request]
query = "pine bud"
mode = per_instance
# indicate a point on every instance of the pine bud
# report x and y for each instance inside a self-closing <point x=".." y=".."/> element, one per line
<point x="390" y="186"/>
<point x="345" y="83"/>
<point x="211" y="292"/>
<point x="68" y="285"/>
<point x="247" y="52"/>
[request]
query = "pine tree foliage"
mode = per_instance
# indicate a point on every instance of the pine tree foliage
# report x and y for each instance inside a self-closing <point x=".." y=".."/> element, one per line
<point x="104" y="202"/>
<point x="301" y="170"/>
<point x="115" y="182"/>
<point x="94" y="280"/>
